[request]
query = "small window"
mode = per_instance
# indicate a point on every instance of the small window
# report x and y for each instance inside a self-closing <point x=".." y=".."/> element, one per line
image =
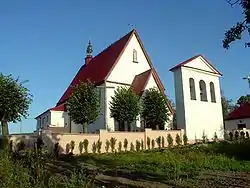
<point x="212" y="92"/>
<point x="47" y="119"/>
<point x="135" y="56"/>
<point x="192" y="89"/>
<point x="203" y="91"/>
<point x="241" y="126"/>
<point x="43" y="120"/>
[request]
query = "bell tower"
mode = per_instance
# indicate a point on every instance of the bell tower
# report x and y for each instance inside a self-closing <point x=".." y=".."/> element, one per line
<point x="89" y="51"/>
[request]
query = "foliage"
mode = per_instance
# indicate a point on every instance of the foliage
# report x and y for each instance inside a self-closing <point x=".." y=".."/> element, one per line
<point x="242" y="134"/>
<point x="170" y="140"/>
<point x="243" y="100"/>
<point x="142" y="145"/>
<point x="235" y="33"/>
<point x="236" y="135"/>
<point x="154" y="109"/>
<point x="84" y="105"/>
<point x="185" y="139"/>
<point x="178" y="139"/>
<point x="132" y="147"/>
<point x="14" y="101"/>
<point x="119" y="146"/>
<point x="124" y="105"/>
<point x="20" y="145"/>
<point x="153" y="143"/>
<point x="148" y="142"/>
<point x="247" y="134"/>
<point x="72" y="145"/>
<point x="67" y="148"/>
<point x="231" y="136"/>
<point x="204" y="137"/>
<point x="158" y="141"/>
<point x="85" y="144"/>
<point x="94" y="147"/>
<point x="227" y="106"/>
<point x="112" y="144"/>
<point x="215" y="137"/>
<point x="80" y="147"/>
<point x="107" y="146"/>
<point x="137" y="145"/>
<point x="99" y="146"/>
<point x="125" y="144"/>
<point x="162" y="142"/>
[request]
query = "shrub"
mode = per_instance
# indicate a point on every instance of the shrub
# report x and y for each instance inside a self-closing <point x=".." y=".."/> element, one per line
<point x="119" y="146"/>
<point x="231" y="136"/>
<point x="226" y="136"/>
<point x="148" y="142"/>
<point x="158" y="141"/>
<point x="107" y="146"/>
<point x="178" y="140"/>
<point x="162" y="142"/>
<point x="137" y="145"/>
<point x="80" y="147"/>
<point x="94" y="147"/>
<point x="236" y="135"/>
<point x="125" y="144"/>
<point x="242" y="134"/>
<point x="153" y="143"/>
<point x="85" y="144"/>
<point x="72" y="145"/>
<point x="67" y="148"/>
<point x="247" y="134"/>
<point x="185" y="139"/>
<point x="170" y="140"/>
<point x="215" y="137"/>
<point x="142" y="145"/>
<point x="132" y="147"/>
<point x="20" y="145"/>
<point x="112" y="144"/>
<point x="99" y="146"/>
<point x="56" y="149"/>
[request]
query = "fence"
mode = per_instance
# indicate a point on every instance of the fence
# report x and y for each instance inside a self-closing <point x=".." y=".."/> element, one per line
<point x="64" y="140"/>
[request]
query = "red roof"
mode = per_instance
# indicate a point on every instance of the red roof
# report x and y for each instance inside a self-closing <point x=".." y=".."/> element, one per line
<point x="56" y="108"/>
<point x="140" y="81"/>
<point x="191" y="59"/>
<point x="241" y="112"/>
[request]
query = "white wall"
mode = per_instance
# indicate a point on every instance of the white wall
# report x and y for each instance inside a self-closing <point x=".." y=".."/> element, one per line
<point x="125" y="70"/>
<point x="198" y="116"/>
<point x="233" y="124"/>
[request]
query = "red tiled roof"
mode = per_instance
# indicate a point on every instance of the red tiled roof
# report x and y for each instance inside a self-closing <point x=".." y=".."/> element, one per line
<point x="99" y="67"/>
<point x="191" y="59"/>
<point x="58" y="108"/>
<point x="140" y="81"/>
<point x="241" y="112"/>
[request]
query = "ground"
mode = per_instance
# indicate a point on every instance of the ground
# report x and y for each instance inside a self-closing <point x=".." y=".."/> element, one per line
<point x="224" y="164"/>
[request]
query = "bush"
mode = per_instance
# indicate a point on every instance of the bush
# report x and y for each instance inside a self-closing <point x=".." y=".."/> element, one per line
<point x="72" y="145"/>
<point x="94" y="147"/>
<point x="56" y="149"/>
<point x="153" y="143"/>
<point x="125" y="144"/>
<point x="170" y="140"/>
<point x="247" y="134"/>
<point x="236" y="135"/>
<point x="185" y="139"/>
<point x="158" y="141"/>
<point x="242" y="134"/>
<point x="107" y="146"/>
<point x="80" y="147"/>
<point x="20" y="145"/>
<point x="142" y="145"/>
<point x="132" y="147"/>
<point x="137" y="145"/>
<point x="162" y="142"/>
<point x="148" y="142"/>
<point x="231" y="136"/>
<point x="67" y="148"/>
<point x="112" y="143"/>
<point x="119" y="146"/>
<point x="85" y="144"/>
<point x="178" y="140"/>
<point x="99" y="146"/>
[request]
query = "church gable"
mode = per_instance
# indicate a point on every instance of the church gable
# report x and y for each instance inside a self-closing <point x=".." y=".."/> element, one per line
<point x="133" y="61"/>
<point x="198" y="63"/>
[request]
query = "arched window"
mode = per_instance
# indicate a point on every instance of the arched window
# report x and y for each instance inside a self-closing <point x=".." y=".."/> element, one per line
<point x="192" y="89"/>
<point x="212" y="92"/>
<point x="134" y="56"/>
<point x="203" y="90"/>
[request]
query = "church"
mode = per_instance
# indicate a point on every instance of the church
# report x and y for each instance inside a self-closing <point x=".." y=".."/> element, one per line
<point x="123" y="63"/>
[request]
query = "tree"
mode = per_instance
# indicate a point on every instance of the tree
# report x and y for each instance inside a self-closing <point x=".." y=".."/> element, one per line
<point x="235" y="33"/>
<point x="154" y="109"/>
<point x="84" y="104"/>
<point x="227" y="106"/>
<point x="124" y="106"/>
<point x="14" y="101"/>
<point x="243" y="100"/>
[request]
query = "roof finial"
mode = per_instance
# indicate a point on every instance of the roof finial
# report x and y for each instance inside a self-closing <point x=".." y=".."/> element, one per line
<point x="89" y="50"/>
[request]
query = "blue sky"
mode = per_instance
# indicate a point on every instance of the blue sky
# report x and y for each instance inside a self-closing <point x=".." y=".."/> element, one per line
<point x="45" y="41"/>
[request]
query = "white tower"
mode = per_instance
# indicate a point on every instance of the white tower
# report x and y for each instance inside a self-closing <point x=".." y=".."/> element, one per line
<point x="198" y="98"/>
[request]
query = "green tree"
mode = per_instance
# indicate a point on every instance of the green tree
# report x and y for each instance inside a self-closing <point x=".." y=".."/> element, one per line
<point x="227" y="106"/>
<point x="235" y="33"/>
<point x="243" y="100"/>
<point x="14" y="101"/>
<point x="124" y="106"/>
<point x="84" y="105"/>
<point x="154" y="109"/>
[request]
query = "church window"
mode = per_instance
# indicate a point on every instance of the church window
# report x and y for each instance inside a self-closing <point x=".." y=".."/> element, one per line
<point x="203" y="91"/>
<point x="135" y="56"/>
<point x="192" y="89"/>
<point x="212" y="92"/>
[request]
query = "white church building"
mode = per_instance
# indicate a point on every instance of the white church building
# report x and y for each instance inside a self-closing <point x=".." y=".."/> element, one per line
<point x="126" y="63"/>
<point x="123" y="63"/>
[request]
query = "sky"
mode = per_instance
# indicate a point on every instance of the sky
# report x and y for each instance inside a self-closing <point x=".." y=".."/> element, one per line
<point x="45" y="41"/>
